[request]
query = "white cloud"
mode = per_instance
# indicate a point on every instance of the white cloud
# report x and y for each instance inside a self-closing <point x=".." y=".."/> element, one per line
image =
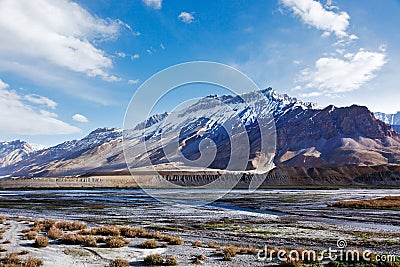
<point x="80" y="118"/>
<point x="121" y="54"/>
<point x="136" y="81"/>
<point x="20" y="118"/>
<point x="156" y="4"/>
<point x="112" y="78"/>
<point x="335" y="75"/>
<point x="312" y="94"/>
<point x="186" y="17"/>
<point x="60" y="33"/>
<point x="314" y="14"/>
<point x="41" y="100"/>
<point x="135" y="56"/>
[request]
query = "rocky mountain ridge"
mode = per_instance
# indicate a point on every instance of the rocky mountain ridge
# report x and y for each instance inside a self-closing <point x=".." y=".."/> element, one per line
<point x="306" y="136"/>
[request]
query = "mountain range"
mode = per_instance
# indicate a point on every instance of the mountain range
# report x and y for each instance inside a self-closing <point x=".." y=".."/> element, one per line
<point x="392" y="119"/>
<point x="306" y="137"/>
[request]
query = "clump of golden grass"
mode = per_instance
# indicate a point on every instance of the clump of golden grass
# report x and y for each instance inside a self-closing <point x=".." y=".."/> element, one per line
<point x="23" y="252"/>
<point x="109" y="230"/>
<point x="54" y="233"/>
<point x="119" y="263"/>
<point x="116" y="242"/>
<point x="41" y="242"/>
<point x="197" y="243"/>
<point x="213" y="245"/>
<point x="291" y="263"/>
<point x="153" y="260"/>
<point x="172" y="240"/>
<point x="77" y="239"/>
<point x="13" y="260"/>
<point x="388" y="202"/>
<point x="170" y="261"/>
<point x="149" y="244"/>
<point x="229" y="252"/>
<point x="133" y="232"/>
<point x="2" y="249"/>
<point x="70" y="226"/>
<point x="199" y="260"/>
<point x="43" y="225"/>
<point x="2" y="218"/>
<point x="26" y="230"/>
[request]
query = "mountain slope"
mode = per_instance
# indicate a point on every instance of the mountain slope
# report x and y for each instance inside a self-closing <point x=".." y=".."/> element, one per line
<point x="306" y="137"/>
<point x="392" y="119"/>
<point x="14" y="151"/>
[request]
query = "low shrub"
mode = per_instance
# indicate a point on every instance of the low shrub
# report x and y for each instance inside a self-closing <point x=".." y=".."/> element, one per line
<point x="172" y="240"/>
<point x="2" y="249"/>
<point x="197" y="243"/>
<point x="119" y="263"/>
<point x="106" y="231"/>
<point x="116" y="242"/>
<point x="213" y="245"/>
<point x="41" y="242"/>
<point x="32" y="262"/>
<point x="54" y="233"/>
<point x="43" y="224"/>
<point x="133" y="232"/>
<point x="149" y="244"/>
<point x="153" y="259"/>
<point x="70" y="226"/>
<point x="89" y="241"/>
<point x="291" y="263"/>
<point x="170" y="261"/>
<point x="23" y="252"/>
<point x="229" y="252"/>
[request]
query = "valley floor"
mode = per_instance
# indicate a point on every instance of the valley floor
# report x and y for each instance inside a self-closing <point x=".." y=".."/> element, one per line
<point x="275" y="218"/>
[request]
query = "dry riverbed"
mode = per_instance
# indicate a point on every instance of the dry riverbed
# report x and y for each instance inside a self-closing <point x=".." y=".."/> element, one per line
<point x="130" y="226"/>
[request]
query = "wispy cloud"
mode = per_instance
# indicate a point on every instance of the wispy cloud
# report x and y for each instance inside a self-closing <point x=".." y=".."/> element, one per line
<point x="338" y="75"/>
<point x="135" y="81"/>
<point x="80" y="118"/>
<point x="19" y="117"/>
<point x="60" y="33"/>
<point x="314" y="14"/>
<point x="186" y="17"/>
<point x="156" y="4"/>
<point x="41" y="100"/>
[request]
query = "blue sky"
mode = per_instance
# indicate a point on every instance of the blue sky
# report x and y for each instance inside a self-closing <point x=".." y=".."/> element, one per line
<point x="68" y="67"/>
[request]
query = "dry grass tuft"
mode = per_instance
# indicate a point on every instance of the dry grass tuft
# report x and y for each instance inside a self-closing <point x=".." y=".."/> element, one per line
<point x="388" y="202"/>
<point x="172" y="240"/>
<point x="70" y="226"/>
<point x="119" y="263"/>
<point x="153" y="260"/>
<point x="116" y="242"/>
<point x="106" y="230"/>
<point x="197" y="243"/>
<point x="213" y="245"/>
<point x="41" y="242"/>
<point x="54" y="233"/>
<point x="229" y="252"/>
<point x="149" y="244"/>
<point x="170" y="261"/>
